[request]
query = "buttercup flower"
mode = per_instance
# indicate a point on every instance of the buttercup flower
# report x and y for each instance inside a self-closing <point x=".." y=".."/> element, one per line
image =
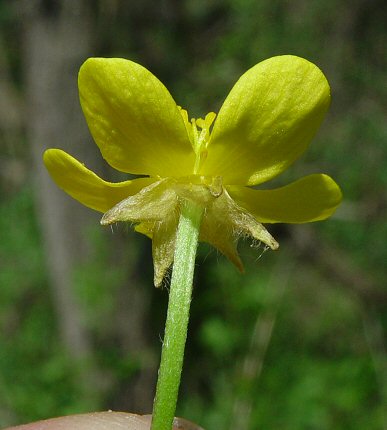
<point x="264" y="125"/>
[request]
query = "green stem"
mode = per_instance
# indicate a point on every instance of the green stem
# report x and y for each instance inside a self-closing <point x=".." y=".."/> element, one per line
<point x="172" y="354"/>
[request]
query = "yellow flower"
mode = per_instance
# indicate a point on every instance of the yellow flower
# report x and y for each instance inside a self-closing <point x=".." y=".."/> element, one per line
<point x="265" y="123"/>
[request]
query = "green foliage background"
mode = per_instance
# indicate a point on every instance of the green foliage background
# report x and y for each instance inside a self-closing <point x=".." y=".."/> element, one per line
<point x="322" y="308"/>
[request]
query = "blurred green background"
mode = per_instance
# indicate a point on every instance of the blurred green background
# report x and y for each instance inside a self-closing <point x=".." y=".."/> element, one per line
<point x="299" y="340"/>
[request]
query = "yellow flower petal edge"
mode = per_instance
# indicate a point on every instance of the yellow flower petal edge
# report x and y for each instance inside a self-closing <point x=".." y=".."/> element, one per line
<point x="312" y="198"/>
<point x="133" y="118"/>
<point x="267" y="120"/>
<point x="84" y="185"/>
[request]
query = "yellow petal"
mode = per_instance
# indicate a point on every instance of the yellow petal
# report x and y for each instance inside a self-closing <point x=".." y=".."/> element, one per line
<point x="312" y="198"/>
<point x="134" y="119"/>
<point x="84" y="185"/>
<point x="267" y="120"/>
<point x="145" y="228"/>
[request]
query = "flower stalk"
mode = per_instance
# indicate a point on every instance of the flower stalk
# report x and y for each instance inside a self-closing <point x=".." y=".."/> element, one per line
<point x="175" y="335"/>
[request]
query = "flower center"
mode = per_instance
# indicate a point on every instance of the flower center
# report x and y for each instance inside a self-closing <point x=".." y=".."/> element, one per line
<point x="199" y="134"/>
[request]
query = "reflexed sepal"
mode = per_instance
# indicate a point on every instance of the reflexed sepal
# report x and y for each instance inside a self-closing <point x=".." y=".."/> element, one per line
<point x="152" y="203"/>
<point x="163" y="246"/>
<point x="224" y="223"/>
<point x="156" y="210"/>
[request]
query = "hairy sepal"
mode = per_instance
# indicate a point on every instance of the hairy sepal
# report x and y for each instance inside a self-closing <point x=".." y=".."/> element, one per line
<point x="156" y="210"/>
